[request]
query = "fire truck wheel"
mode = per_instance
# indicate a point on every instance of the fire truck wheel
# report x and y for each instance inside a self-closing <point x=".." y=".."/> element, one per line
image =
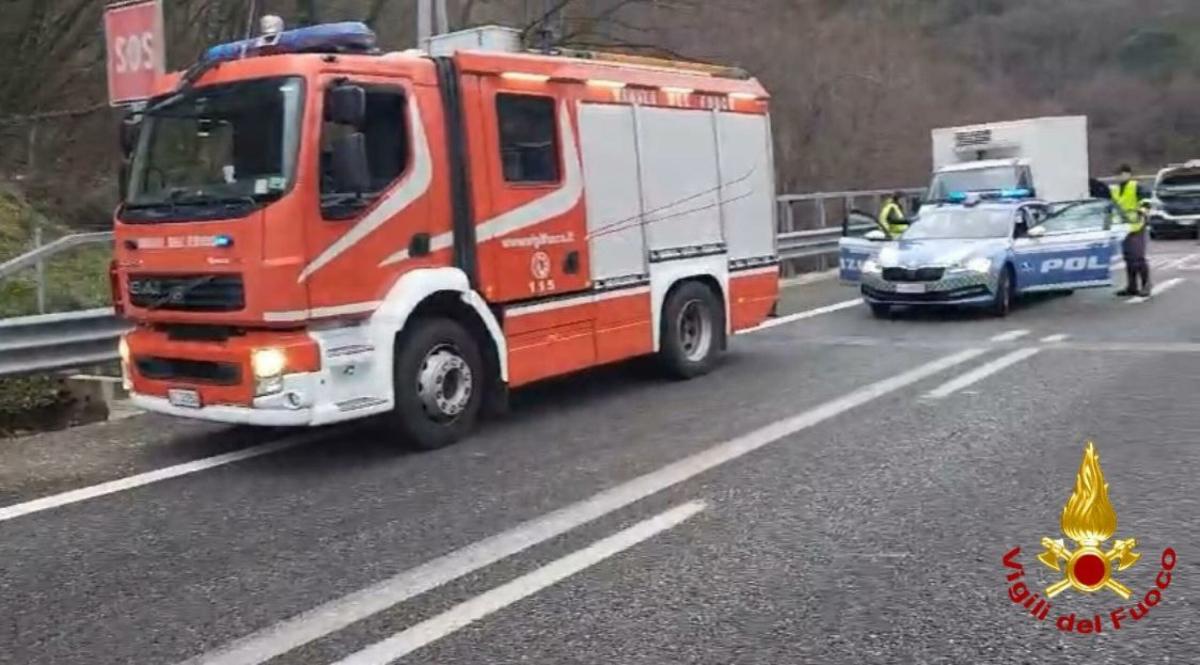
<point x="693" y="330"/>
<point x="439" y="383"/>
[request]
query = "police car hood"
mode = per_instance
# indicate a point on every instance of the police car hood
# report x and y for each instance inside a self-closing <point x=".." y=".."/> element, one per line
<point x="939" y="252"/>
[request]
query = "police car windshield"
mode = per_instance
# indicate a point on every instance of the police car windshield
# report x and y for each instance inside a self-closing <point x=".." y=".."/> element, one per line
<point x="961" y="224"/>
<point x="974" y="180"/>
<point x="1188" y="182"/>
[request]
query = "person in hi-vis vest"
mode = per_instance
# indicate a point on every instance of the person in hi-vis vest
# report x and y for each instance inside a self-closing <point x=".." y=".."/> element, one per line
<point x="1137" y="269"/>
<point x="891" y="215"/>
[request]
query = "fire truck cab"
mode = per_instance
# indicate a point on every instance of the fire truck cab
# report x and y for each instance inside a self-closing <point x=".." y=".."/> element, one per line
<point x="313" y="231"/>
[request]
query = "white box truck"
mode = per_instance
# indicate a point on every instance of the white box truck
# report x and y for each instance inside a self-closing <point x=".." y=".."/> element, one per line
<point x="1047" y="156"/>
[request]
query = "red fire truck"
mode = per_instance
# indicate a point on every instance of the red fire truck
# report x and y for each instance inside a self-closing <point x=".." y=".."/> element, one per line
<point x="315" y="231"/>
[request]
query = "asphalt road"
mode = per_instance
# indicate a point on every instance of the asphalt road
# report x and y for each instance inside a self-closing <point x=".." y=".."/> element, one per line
<point x="843" y="490"/>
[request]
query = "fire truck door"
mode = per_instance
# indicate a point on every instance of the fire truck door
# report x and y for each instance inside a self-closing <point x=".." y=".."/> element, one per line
<point x="531" y="232"/>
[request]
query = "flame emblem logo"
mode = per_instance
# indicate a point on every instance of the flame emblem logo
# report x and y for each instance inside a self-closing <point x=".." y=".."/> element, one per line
<point x="1089" y="519"/>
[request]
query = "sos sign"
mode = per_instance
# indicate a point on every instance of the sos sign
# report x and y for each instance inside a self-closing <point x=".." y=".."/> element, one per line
<point x="136" y="49"/>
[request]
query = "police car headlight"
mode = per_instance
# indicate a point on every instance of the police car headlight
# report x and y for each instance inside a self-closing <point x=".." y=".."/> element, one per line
<point x="978" y="264"/>
<point x="871" y="266"/>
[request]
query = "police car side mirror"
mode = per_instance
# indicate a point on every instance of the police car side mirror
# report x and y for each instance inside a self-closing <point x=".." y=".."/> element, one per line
<point x="875" y="235"/>
<point x="1036" y="232"/>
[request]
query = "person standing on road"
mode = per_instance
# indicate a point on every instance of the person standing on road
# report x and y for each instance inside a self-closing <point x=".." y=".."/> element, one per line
<point x="891" y="215"/>
<point x="1137" y="268"/>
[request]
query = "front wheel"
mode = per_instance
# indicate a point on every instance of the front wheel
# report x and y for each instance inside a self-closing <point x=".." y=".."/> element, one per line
<point x="692" y="332"/>
<point x="1002" y="301"/>
<point x="439" y="383"/>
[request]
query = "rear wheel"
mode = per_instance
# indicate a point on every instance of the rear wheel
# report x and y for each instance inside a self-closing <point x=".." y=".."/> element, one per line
<point x="1002" y="301"/>
<point x="439" y="383"/>
<point x="692" y="331"/>
<point x="881" y="311"/>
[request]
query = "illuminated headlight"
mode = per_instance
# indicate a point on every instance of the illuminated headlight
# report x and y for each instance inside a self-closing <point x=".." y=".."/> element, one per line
<point x="268" y="366"/>
<point x="889" y="256"/>
<point x="979" y="264"/>
<point x="871" y="266"/>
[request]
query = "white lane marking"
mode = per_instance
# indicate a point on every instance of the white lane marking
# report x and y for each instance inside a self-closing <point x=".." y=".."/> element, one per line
<point x="1177" y="263"/>
<point x="980" y="373"/>
<point x="1158" y="290"/>
<point x="799" y="316"/>
<point x="1054" y="339"/>
<point x="1010" y="336"/>
<point x="462" y="615"/>
<point x="337" y="614"/>
<point x="130" y="482"/>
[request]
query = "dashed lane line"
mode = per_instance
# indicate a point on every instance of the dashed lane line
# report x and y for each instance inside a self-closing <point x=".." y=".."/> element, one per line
<point x="275" y="640"/>
<point x="980" y="373"/>
<point x="1055" y="339"/>
<point x="1010" y="336"/>
<point x="462" y="615"/>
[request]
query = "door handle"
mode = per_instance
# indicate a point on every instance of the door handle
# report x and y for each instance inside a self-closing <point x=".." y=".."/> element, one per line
<point x="571" y="264"/>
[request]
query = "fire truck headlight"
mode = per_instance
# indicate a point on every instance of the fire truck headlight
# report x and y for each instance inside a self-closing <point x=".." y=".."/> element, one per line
<point x="123" y="350"/>
<point x="268" y="363"/>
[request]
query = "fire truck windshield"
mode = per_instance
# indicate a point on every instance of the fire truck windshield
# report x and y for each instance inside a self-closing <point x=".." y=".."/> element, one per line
<point x="216" y="151"/>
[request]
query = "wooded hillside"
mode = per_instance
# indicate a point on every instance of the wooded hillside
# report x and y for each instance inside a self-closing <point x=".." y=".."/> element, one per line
<point x="858" y="84"/>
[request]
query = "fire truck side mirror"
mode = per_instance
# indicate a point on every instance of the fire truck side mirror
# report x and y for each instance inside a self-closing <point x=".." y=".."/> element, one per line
<point x="351" y="172"/>
<point x="128" y="135"/>
<point x="346" y="105"/>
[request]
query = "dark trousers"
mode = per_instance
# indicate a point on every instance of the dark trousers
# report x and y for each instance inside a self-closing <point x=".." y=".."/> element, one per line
<point x="1136" y="267"/>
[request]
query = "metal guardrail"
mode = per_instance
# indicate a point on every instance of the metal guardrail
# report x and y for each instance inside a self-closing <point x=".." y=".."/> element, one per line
<point x="47" y="342"/>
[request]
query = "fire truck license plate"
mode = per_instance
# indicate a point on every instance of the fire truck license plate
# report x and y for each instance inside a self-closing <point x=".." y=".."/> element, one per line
<point x="910" y="288"/>
<point x="184" y="397"/>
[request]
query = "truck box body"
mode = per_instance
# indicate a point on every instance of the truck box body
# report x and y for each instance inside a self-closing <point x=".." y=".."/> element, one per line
<point x="553" y="203"/>
<point x="1054" y="149"/>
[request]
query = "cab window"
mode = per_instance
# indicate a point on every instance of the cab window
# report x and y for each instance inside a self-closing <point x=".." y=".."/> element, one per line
<point x="385" y="129"/>
<point x="528" y="140"/>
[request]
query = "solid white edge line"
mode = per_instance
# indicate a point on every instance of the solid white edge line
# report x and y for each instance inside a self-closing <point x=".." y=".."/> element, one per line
<point x="1010" y="336"/>
<point x="1158" y="290"/>
<point x="980" y="373"/>
<point x="462" y="615"/>
<point x="121" y="484"/>
<point x="799" y="316"/>
<point x="334" y="615"/>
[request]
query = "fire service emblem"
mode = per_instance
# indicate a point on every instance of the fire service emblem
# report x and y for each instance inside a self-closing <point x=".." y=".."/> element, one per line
<point x="1089" y="521"/>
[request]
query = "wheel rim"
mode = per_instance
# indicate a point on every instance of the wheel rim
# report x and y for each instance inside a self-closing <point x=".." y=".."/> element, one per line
<point x="444" y="384"/>
<point x="695" y="330"/>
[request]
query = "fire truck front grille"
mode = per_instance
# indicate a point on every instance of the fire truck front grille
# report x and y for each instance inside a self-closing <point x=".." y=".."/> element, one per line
<point x="190" y="371"/>
<point x="188" y="293"/>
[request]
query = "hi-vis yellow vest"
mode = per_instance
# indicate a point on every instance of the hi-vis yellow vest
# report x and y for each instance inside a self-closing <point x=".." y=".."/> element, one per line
<point x="1126" y="197"/>
<point x="892" y="211"/>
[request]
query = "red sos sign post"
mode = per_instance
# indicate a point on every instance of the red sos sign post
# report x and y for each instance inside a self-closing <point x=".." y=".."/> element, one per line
<point x="136" y="49"/>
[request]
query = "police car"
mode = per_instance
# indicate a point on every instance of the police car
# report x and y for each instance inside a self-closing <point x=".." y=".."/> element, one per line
<point x="983" y="251"/>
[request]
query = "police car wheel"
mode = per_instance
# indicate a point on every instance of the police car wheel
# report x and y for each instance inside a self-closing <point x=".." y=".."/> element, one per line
<point x="1002" y="301"/>
<point x="692" y="334"/>
<point x="439" y="383"/>
<point x="881" y="311"/>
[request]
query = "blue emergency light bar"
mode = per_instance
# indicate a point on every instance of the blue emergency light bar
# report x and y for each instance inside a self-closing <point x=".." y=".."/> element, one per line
<point x="350" y="36"/>
<point x="959" y="197"/>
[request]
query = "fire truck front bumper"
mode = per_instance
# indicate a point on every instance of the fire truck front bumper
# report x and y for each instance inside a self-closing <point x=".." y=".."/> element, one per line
<point x="290" y="408"/>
